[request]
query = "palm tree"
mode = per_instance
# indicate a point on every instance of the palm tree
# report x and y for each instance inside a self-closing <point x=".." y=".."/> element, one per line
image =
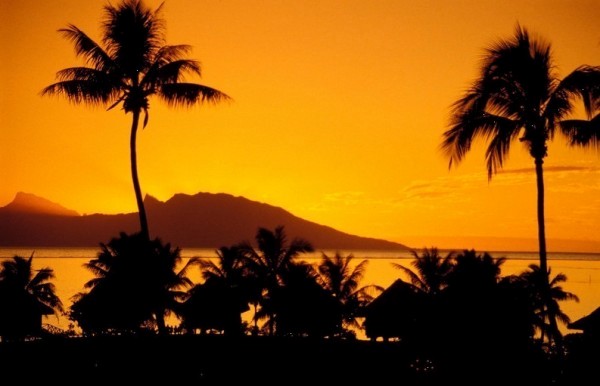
<point x="229" y="267"/>
<point x="534" y="279"/>
<point x="518" y="96"/>
<point x="303" y="307"/>
<point x="430" y="272"/>
<point x="474" y="271"/>
<point x="420" y="297"/>
<point x="269" y="262"/>
<point x="135" y="283"/>
<point x="22" y="290"/>
<point x="342" y="281"/>
<point x="133" y="65"/>
<point x="219" y="301"/>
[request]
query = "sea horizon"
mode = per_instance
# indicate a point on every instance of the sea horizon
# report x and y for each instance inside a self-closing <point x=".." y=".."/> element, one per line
<point x="186" y="252"/>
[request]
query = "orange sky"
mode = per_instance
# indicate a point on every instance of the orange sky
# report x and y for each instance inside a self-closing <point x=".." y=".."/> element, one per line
<point x="338" y="110"/>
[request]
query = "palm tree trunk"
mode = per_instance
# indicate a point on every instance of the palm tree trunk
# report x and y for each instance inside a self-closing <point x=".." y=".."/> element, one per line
<point x="554" y="333"/>
<point x="134" y="175"/>
<point x="539" y="173"/>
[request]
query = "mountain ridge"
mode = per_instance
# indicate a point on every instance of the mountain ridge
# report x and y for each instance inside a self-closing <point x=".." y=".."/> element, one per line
<point x="31" y="203"/>
<point x="203" y="220"/>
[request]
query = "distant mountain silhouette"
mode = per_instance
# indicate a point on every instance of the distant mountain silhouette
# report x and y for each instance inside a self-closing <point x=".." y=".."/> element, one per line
<point x="30" y="203"/>
<point x="203" y="220"/>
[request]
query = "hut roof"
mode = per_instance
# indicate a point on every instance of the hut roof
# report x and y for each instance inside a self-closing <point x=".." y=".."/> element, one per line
<point x="587" y="323"/>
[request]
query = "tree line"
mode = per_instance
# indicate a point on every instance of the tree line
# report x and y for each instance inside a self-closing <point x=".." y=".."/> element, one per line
<point x="138" y="285"/>
<point x="452" y="314"/>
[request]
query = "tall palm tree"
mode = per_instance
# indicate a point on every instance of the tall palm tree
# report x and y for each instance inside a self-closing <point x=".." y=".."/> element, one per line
<point x="133" y="64"/>
<point x="517" y="97"/>
<point x="343" y="282"/>
<point x="22" y="287"/>
<point x="269" y="262"/>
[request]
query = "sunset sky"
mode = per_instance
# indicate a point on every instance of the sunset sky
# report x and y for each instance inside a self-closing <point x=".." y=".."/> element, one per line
<point x="338" y="109"/>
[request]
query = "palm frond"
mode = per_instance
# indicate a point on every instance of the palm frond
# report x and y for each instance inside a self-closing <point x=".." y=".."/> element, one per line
<point x="584" y="83"/>
<point x="87" y="48"/>
<point x="42" y="276"/>
<point x="189" y="94"/>
<point x="582" y="133"/>
<point x="82" y="91"/>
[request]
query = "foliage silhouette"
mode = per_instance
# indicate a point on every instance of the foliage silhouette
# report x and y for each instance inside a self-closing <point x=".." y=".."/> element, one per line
<point x="137" y="284"/>
<point x="430" y="270"/>
<point x="419" y="309"/>
<point x="534" y="280"/>
<point x="217" y="304"/>
<point x="133" y="64"/>
<point x="459" y="319"/>
<point x="518" y="96"/>
<point x="342" y="281"/>
<point x="302" y="306"/>
<point x="268" y="263"/>
<point x="25" y="296"/>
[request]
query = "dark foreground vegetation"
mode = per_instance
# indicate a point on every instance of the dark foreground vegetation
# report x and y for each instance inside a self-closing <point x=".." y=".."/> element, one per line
<point x="217" y="359"/>
<point x="455" y="320"/>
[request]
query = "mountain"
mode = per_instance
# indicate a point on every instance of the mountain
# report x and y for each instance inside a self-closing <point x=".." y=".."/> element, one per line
<point x="30" y="203"/>
<point x="203" y="220"/>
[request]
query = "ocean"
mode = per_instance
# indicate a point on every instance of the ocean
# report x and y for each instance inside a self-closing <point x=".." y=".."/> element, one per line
<point x="582" y="271"/>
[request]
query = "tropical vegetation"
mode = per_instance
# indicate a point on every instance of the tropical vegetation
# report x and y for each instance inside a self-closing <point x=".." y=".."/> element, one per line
<point x="518" y="97"/>
<point x="26" y="295"/>
<point x="136" y="285"/>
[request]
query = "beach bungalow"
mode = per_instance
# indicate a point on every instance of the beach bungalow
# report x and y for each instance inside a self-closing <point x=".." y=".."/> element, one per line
<point x="394" y="314"/>
<point x="589" y="324"/>
<point x="213" y="306"/>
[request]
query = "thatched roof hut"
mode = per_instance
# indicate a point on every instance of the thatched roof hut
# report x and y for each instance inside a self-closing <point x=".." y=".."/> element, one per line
<point x="589" y="324"/>
<point x="394" y="313"/>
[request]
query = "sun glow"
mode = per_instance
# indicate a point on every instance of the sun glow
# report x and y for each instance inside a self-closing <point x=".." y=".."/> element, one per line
<point x="337" y="114"/>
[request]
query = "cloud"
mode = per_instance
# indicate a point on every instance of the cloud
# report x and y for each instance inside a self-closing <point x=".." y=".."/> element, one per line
<point x="551" y="169"/>
<point x="347" y="198"/>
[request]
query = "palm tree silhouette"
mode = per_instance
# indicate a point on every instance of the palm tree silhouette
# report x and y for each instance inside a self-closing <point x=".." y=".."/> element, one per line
<point x="475" y="271"/>
<point x="430" y="272"/>
<point x="136" y="284"/>
<point x="133" y="65"/>
<point x="229" y="267"/>
<point x="303" y="307"/>
<point x="518" y="97"/>
<point x="535" y="281"/>
<point x="342" y="281"/>
<point x="224" y="295"/>
<point x="269" y="262"/>
<point x="428" y="279"/>
<point x="24" y="290"/>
